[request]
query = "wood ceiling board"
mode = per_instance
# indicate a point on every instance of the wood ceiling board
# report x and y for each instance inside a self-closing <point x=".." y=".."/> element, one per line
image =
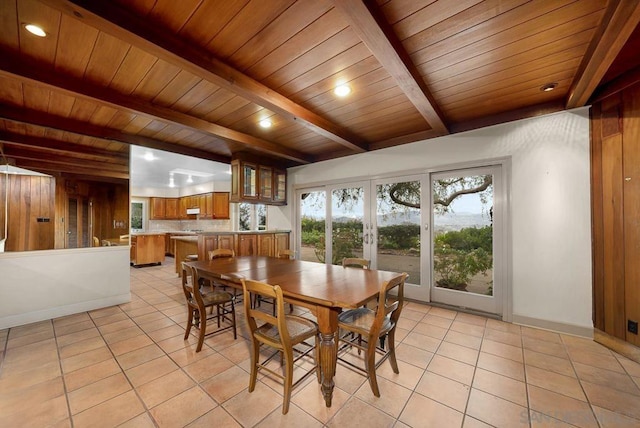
<point x="121" y="120"/>
<point x="171" y="14"/>
<point x="103" y="116"/>
<point x="135" y="65"/>
<point x="40" y="48"/>
<point x="196" y="95"/>
<point x="66" y="158"/>
<point x="9" y="36"/>
<point x="232" y="118"/>
<point x="11" y="91"/>
<point x="210" y="17"/>
<point x="377" y="35"/>
<point x="210" y="103"/>
<point x="106" y="59"/>
<point x="84" y="107"/>
<point x="328" y="26"/>
<point x="248" y="22"/>
<point x="178" y="52"/>
<point x="621" y="20"/>
<point x="59" y="167"/>
<point x="176" y="88"/>
<point x="156" y="79"/>
<point x="36" y="97"/>
<point x="281" y="30"/>
<point x="396" y="10"/>
<point x="79" y="127"/>
<point x="537" y="32"/>
<point x="505" y="81"/>
<point x="76" y="42"/>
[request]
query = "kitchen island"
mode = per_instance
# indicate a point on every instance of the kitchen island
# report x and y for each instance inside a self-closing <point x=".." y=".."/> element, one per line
<point x="183" y="245"/>
<point x="147" y="248"/>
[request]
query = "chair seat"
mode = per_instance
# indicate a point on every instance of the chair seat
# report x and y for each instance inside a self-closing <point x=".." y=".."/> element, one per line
<point x="191" y="258"/>
<point x="361" y="320"/>
<point x="216" y="298"/>
<point x="299" y="329"/>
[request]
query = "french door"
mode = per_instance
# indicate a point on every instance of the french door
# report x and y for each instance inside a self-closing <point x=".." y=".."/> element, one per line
<point x="443" y="229"/>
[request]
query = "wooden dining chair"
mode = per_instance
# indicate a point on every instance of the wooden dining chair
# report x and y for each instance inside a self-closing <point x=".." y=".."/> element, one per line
<point x="286" y="334"/>
<point x="356" y="262"/>
<point x="363" y="327"/>
<point x="221" y="253"/>
<point x="198" y="302"/>
<point x="124" y="236"/>
<point x="282" y="254"/>
<point x="96" y="241"/>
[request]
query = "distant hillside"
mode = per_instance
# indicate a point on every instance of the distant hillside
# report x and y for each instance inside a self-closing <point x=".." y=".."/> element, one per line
<point x="444" y="222"/>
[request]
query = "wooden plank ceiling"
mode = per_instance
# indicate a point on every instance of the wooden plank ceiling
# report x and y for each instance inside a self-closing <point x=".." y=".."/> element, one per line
<point x="197" y="76"/>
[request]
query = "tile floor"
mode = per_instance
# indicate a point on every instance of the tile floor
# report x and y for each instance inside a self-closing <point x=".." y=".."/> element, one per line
<point x="129" y="366"/>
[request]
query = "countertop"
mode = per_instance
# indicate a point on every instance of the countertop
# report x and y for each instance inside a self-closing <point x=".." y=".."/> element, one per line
<point x="186" y="238"/>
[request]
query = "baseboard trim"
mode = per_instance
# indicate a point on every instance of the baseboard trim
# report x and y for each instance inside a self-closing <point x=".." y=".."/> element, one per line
<point x="558" y="327"/>
<point x="61" y="311"/>
<point x="618" y="345"/>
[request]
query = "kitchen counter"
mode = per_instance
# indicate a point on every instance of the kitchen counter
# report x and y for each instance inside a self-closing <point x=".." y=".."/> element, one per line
<point x="182" y="247"/>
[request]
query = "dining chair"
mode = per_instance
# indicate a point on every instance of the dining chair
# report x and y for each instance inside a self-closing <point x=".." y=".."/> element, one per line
<point x="287" y="334"/>
<point x="96" y="241"/>
<point x="198" y="302"/>
<point x="356" y="262"/>
<point x="106" y="243"/>
<point x="286" y="254"/>
<point x="221" y="253"/>
<point x="369" y="326"/>
<point x="124" y="236"/>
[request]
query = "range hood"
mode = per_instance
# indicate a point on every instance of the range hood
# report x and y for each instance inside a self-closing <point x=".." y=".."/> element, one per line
<point x="193" y="211"/>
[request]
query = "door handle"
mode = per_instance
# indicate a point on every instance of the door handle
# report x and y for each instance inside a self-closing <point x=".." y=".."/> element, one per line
<point x="366" y="238"/>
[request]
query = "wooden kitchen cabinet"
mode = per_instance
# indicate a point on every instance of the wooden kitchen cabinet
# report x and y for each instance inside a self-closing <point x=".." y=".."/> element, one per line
<point x="266" y="245"/>
<point x="220" y="205"/>
<point x="281" y="242"/>
<point x="256" y="183"/>
<point x="158" y="208"/>
<point x="147" y="249"/>
<point x="279" y="187"/>
<point x="171" y="208"/>
<point x="247" y="245"/>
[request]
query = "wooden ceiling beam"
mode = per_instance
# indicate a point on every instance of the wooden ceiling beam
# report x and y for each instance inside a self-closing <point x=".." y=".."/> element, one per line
<point x="14" y="66"/>
<point x="66" y="159"/>
<point x="47" y="144"/>
<point x="144" y="34"/>
<point x="53" y="168"/>
<point x="46" y="120"/>
<point x="619" y="21"/>
<point x="367" y="21"/>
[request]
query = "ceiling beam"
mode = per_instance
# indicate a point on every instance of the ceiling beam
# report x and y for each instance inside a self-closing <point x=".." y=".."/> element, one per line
<point x="14" y="66"/>
<point x="53" y="168"/>
<point x="368" y="22"/>
<point x="66" y="159"/>
<point x="153" y="39"/>
<point x="17" y="114"/>
<point x="77" y="150"/>
<point x="619" y="21"/>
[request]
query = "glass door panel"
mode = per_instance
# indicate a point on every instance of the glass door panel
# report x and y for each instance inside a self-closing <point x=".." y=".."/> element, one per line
<point x="347" y="212"/>
<point x="313" y="212"/>
<point x="462" y="231"/>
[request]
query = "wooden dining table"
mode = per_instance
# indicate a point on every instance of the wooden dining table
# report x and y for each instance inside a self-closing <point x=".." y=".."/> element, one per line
<point x="324" y="289"/>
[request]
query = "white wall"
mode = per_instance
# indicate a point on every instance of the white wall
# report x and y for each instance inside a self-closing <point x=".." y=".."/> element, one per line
<point x="40" y="285"/>
<point x="549" y="207"/>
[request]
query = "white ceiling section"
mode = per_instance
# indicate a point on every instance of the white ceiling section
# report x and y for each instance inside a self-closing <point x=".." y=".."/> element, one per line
<point x="156" y="172"/>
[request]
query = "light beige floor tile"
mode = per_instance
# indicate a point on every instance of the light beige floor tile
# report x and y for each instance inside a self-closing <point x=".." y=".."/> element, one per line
<point x="437" y="321"/>
<point x="164" y="388"/>
<point x="566" y="385"/>
<point x="408" y="377"/>
<point x="540" y="334"/>
<point x="82" y="347"/>
<point x="549" y="362"/>
<point x="226" y="384"/>
<point x="110" y="413"/>
<point x="19" y="401"/>
<point x="143" y="420"/>
<point x="208" y="367"/>
<point x="619" y="381"/>
<point x="412" y="355"/>
<point x="500" y="365"/>
<point x="430" y="330"/>
<point x="91" y="374"/>
<point x="310" y="398"/>
<point x="296" y="417"/>
<point x="470" y="422"/>
<point x="218" y="418"/>
<point x="88" y="396"/>
<point x="420" y="341"/>
<point x="262" y="401"/>
<point x="23" y="376"/>
<point x="503" y="350"/>
<point x="392" y="400"/>
<point x="496" y="411"/>
<point x="85" y="359"/>
<point x="425" y="412"/>
<point x="584" y="344"/>
<point x="458" y="352"/>
<point x="545" y="347"/>
<point x="151" y="370"/>
<point x="470" y="329"/>
<point x="471" y="319"/>
<point x="443" y="313"/>
<point x="470" y="341"/>
<point x="512" y="339"/>
<point x="183" y="408"/>
<point x="596" y="359"/>
<point x="609" y="419"/>
<point x="612" y="399"/>
<point x="444" y="390"/>
<point x="501" y="386"/>
<point x="558" y="406"/>
<point x="77" y="336"/>
<point x="139" y="356"/>
<point x="452" y="369"/>
<point x="540" y="420"/>
<point x="358" y="413"/>
<point x="503" y="326"/>
<point x="48" y="412"/>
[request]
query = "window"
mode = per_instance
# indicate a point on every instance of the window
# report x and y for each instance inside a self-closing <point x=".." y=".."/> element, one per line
<point x="137" y="216"/>
<point x="252" y="216"/>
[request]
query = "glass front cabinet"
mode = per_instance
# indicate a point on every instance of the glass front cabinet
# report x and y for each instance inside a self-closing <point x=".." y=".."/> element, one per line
<point x="255" y="183"/>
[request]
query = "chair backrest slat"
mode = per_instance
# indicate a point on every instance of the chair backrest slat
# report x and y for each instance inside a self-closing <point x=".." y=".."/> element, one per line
<point x="272" y="292"/>
<point x="221" y="252"/>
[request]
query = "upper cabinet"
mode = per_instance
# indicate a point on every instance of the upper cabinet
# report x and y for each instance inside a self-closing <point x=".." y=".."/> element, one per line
<point x="213" y="205"/>
<point x="256" y="183"/>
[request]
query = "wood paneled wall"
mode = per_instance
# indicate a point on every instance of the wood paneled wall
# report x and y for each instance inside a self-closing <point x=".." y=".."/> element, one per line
<point x="31" y="213"/>
<point x="615" y="183"/>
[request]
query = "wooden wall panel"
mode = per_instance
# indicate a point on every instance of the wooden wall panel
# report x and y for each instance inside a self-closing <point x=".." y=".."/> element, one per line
<point x="631" y="183"/>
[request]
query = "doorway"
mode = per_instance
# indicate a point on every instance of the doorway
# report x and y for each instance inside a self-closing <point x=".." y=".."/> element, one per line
<point x="79" y="225"/>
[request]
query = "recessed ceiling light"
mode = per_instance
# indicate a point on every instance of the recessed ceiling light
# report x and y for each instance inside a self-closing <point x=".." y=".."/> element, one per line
<point x="265" y="123"/>
<point x="35" y="30"/>
<point x="189" y="179"/>
<point x="549" y="87"/>
<point x="148" y="156"/>
<point x="342" y="90"/>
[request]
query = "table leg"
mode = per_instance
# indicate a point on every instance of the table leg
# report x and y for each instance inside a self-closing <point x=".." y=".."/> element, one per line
<point x="328" y="324"/>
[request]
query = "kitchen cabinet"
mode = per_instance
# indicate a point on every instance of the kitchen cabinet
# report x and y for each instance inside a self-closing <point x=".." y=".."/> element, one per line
<point x="220" y="205"/>
<point x="255" y="183"/>
<point x="266" y="245"/>
<point x="171" y="208"/>
<point x="158" y="208"/>
<point x="247" y="245"/>
<point x="147" y="249"/>
<point x="281" y="242"/>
